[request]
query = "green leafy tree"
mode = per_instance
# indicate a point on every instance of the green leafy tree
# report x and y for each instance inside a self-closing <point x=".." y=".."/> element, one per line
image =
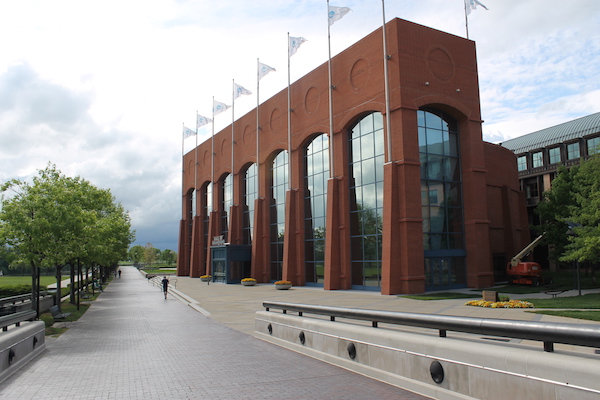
<point x="168" y="256"/>
<point x="555" y="209"/>
<point x="150" y="254"/>
<point x="56" y="220"/>
<point x="136" y="254"/>
<point x="585" y="244"/>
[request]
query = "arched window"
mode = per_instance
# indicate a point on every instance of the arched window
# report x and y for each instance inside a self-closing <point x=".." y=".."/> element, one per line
<point x="366" y="146"/>
<point x="250" y="195"/>
<point x="279" y="184"/>
<point x="315" y="200"/>
<point x="226" y="203"/>
<point x="441" y="201"/>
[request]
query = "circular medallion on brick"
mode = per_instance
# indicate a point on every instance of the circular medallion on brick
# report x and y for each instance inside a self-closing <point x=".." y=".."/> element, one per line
<point x="248" y="136"/>
<point x="311" y="100"/>
<point x="440" y="63"/>
<point x="225" y="147"/>
<point x="359" y="74"/>
<point x="275" y="120"/>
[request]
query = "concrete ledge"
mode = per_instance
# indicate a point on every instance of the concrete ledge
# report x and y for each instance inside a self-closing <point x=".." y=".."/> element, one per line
<point x="19" y="345"/>
<point x="472" y="368"/>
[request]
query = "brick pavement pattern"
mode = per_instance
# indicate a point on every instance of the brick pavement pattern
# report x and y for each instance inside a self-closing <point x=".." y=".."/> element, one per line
<point x="134" y="344"/>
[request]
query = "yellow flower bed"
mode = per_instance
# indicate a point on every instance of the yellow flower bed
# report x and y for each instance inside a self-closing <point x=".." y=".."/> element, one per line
<point x="500" y="304"/>
<point x="283" y="283"/>
<point x="248" y="280"/>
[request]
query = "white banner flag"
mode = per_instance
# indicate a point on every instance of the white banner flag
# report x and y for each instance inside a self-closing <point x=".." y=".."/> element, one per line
<point x="295" y="43"/>
<point x="201" y="121"/>
<point x="240" y="90"/>
<point x="263" y="69"/>
<point x="337" y="13"/>
<point x="219" y="107"/>
<point x="472" y="5"/>
<point x="187" y="132"/>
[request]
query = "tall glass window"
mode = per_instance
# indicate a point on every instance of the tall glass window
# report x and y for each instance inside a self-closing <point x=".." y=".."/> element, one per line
<point x="207" y="206"/>
<point x="593" y="146"/>
<point x="366" y="148"/>
<point x="573" y="151"/>
<point x="250" y="195"/>
<point x="522" y="163"/>
<point x="315" y="200"/>
<point x="537" y="159"/>
<point x="279" y="186"/>
<point x="441" y="200"/>
<point x="554" y="155"/>
<point x="226" y="203"/>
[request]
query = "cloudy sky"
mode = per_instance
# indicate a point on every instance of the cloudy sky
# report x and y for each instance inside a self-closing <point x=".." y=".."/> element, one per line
<point x="102" y="88"/>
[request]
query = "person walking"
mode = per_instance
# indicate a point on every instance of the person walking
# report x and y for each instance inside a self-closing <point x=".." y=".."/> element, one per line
<point x="119" y="274"/>
<point x="165" y="285"/>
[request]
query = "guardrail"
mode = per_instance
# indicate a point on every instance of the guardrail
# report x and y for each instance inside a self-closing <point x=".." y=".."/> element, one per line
<point x="546" y="332"/>
<point x="22" y="298"/>
<point x="16" y="319"/>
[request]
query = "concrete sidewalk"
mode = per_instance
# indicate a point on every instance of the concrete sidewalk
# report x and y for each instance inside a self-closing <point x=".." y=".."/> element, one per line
<point x="134" y="344"/>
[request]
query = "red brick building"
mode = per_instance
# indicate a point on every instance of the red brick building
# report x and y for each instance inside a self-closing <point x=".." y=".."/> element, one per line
<point x="428" y="207"/>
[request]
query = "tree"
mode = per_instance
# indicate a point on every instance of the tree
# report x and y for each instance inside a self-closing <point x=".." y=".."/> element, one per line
<point x="555" y="209"/>
<point x="150" y="254"/>
<point x="136" y="254"/>
<point x="168" y="256"/>
<point x="57" y="220"/>
<point x="585" y="244"/>
<point x="574" y="197"/>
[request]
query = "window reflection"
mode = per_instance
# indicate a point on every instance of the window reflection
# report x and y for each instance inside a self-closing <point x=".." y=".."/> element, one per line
<point x="441" y="199"/>
<point x="250" y="195"/>
<point x="279" y="172"/>
<point x="366" y="146"/>
<point x="317" y="173"/>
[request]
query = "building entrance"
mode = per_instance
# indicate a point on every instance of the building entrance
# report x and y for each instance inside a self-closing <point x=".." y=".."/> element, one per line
<point x="230" y="263"/>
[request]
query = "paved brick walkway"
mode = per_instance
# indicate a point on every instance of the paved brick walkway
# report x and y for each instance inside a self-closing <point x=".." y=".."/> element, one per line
<point x="133" y="344"/>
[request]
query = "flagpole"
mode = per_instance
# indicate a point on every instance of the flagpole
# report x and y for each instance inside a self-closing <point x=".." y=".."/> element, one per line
<point x="466" y="20"/>
<point x="331" y="152"/>
<point x="232" y="123"/>
<point x="212" y="145"/>
<point x="196" y="171"/>
<point x="289" y="121"/>
<point x="388" y="125"/>
<point x="182" y="164"/>
<point x="257" y="119"/>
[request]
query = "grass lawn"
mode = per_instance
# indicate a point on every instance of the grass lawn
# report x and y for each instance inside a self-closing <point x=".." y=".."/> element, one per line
<point x="580" y="314"/>
<point x="25" y="280"/>
<point x="441" y="296"/>
<point x="587" y="301"/>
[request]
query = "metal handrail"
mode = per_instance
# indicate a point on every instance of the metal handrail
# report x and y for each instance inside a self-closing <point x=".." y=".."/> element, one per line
<point x="16" y="318"/>
<point x="546" y="332"/>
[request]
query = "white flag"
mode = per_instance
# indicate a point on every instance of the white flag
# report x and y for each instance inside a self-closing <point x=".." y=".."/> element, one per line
<point x="295" y="43"/>
<point x="219" y="107"/>
<point x="263" y="69"/>
<point x="239" y="90"/>
<point x="187" y="132"/>
<point x="472" y="5"/>
<point x="336" y="13"/>
<point x="201" y="121"/>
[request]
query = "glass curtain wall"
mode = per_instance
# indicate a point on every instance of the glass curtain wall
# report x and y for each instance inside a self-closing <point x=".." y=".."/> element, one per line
<point x="441" y="200"/>
<point x="315" y="203"/>
<point x="250" y="195"/>
<point x="279" y="186"/>
<point x="366" y="146"/>
<point x="227" y="202"/>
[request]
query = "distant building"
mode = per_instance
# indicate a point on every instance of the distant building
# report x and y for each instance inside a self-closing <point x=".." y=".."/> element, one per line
<point x="426" y="206"/>
<point x="539" y="154"/>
